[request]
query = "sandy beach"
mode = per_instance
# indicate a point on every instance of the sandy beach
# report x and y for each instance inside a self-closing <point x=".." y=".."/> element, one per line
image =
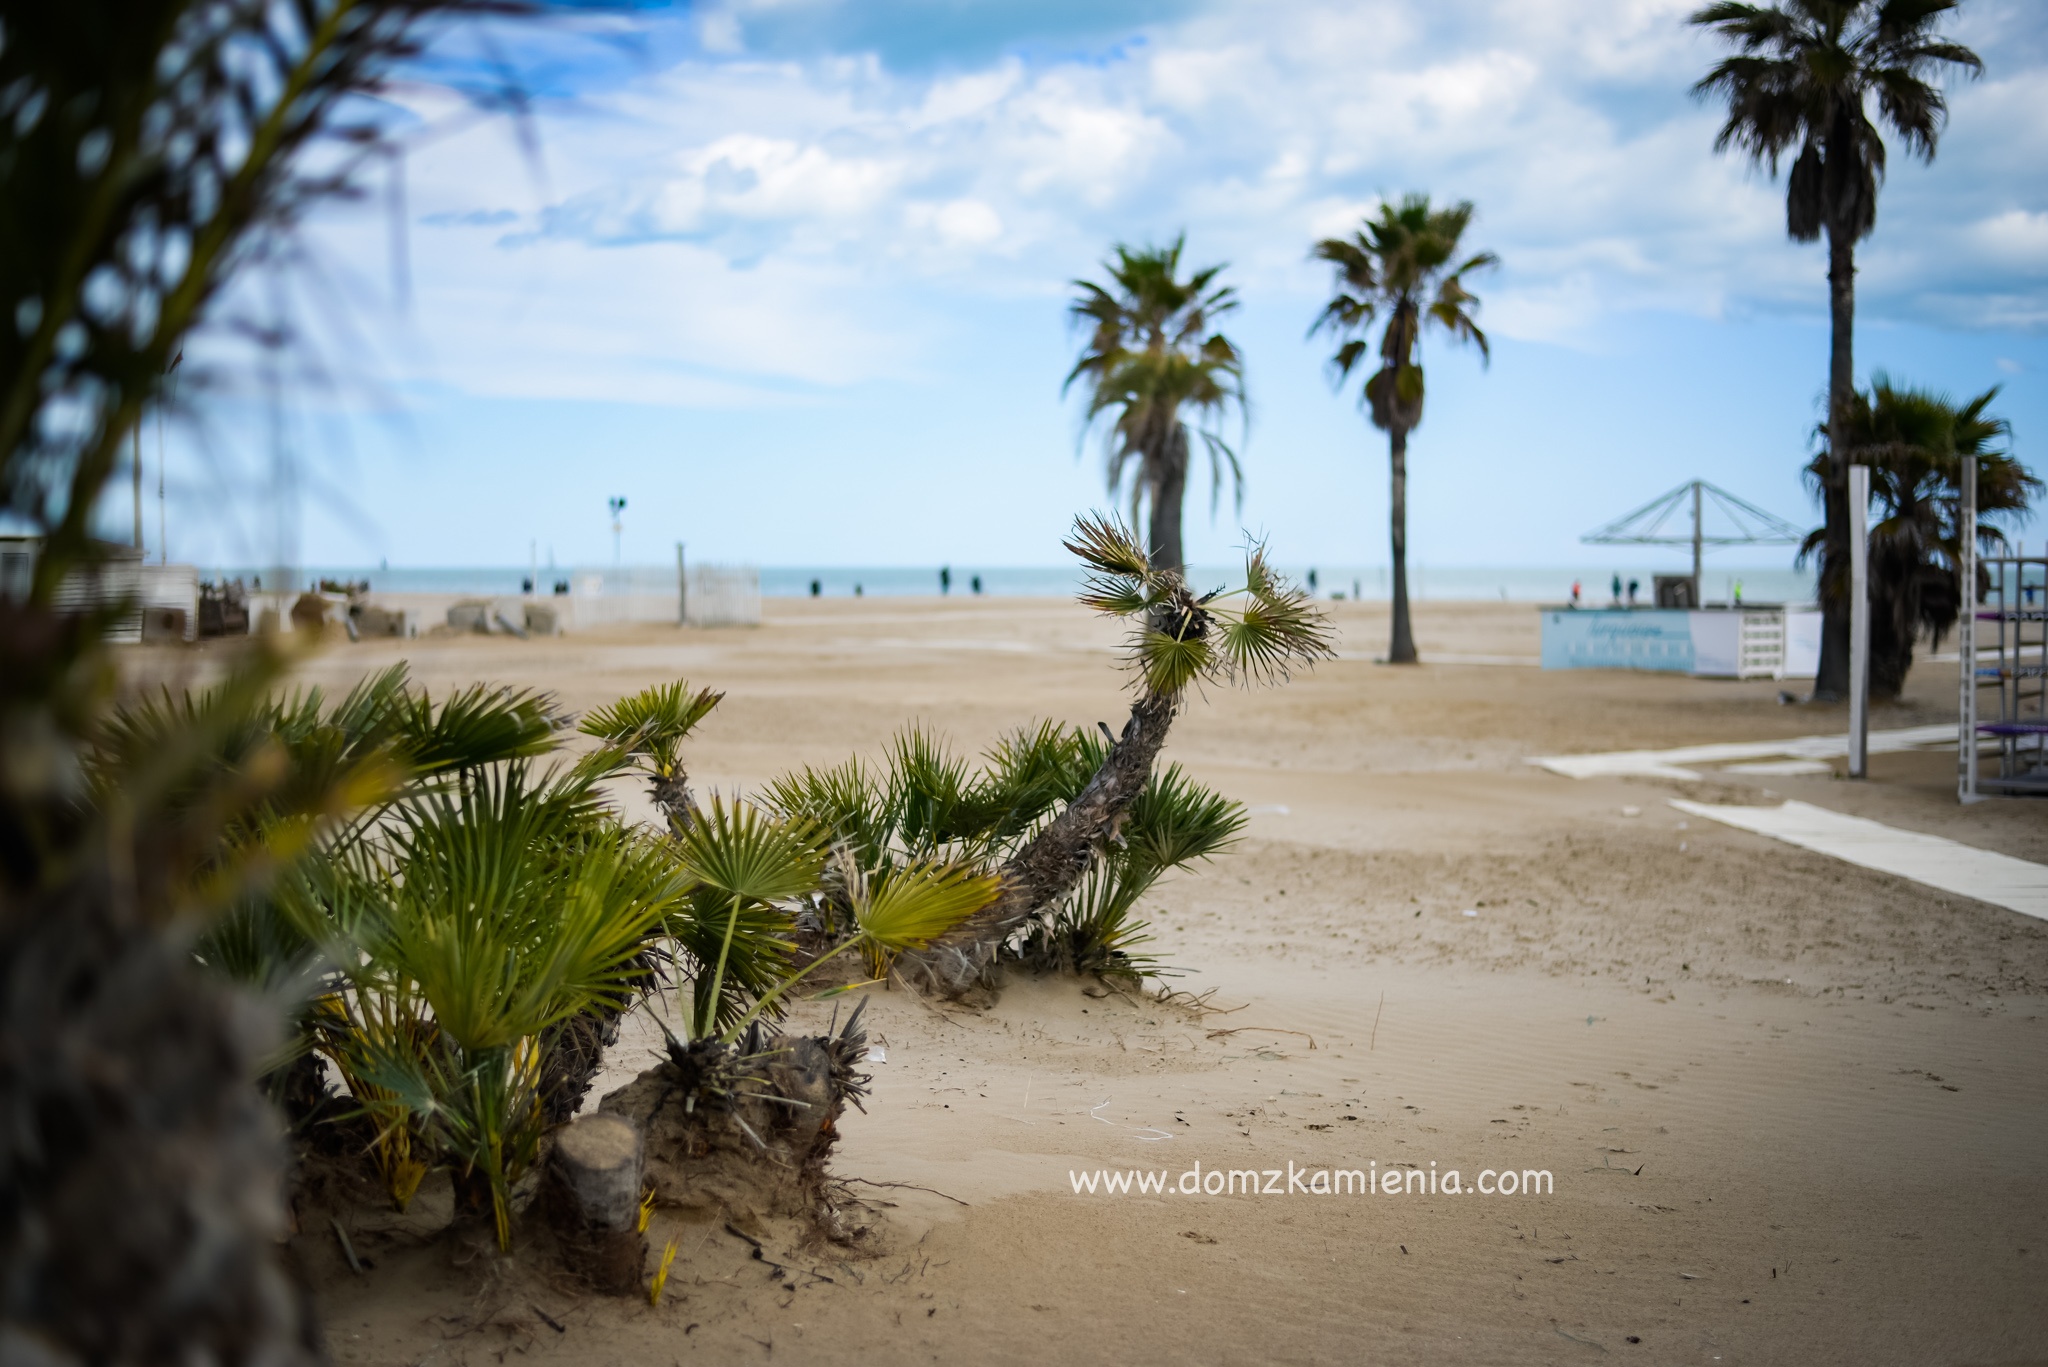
<point x="1793" y="1111"/>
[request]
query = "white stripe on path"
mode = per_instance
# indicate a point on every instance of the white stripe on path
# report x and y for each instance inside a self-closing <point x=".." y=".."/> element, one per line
<point x="1966" y="870"/>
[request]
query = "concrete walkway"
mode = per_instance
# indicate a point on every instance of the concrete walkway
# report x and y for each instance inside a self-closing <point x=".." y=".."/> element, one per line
<point x="1998" y="879"/>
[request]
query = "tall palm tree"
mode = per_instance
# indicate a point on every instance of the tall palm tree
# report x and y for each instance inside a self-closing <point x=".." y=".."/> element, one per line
<point x="1399" y="264"/>
<point x="1800" y="85"/>
<point x="1915" y="442"/>
<point x="1151" y="359"/>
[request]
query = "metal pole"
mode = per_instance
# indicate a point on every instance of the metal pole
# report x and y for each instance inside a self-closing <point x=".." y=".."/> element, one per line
<point x="163" y="550"/>
<point x="138" y="482"/>
<point x="163" y="536"/>
<point x="1697" y="600"/>
<point x="682" y="589"/>
<point x="1859" y="621"/>
<point x="1966" y="640"/>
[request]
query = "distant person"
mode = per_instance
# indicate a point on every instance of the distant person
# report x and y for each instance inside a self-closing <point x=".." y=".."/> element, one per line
<point x="945" y="580"/>
<point x="856" y="591"/>
<point x="561" y="588"/>
<point x="817" y="587"/>
<point x="1633" y="586"/>
<point x="977" y="586"/>
<point x="1575" y="593"/>
<point x="1357" y="590"/>
<point x="526" y="584"/>
<point x="1617" y="590"/>
<point x="1738" y="593"/>
<point x="1311" y="579"/>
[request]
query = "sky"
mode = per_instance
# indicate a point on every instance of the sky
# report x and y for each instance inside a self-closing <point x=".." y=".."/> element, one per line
<point x="791" y="276"/>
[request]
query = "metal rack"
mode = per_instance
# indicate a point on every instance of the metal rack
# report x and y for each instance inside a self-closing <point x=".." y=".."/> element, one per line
<point x="2004" y="659"/>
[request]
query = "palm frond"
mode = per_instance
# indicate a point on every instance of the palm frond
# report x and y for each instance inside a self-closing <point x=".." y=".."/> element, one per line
<point x="472" y="727"/>
<point x="1103" y="545"/>
<point x="1176" y="821"/>
<point x="755" y="941"/>
<point x="1168" y="662"/>
<point x="742" y="851"/>
<point x="1028" y="772"/>
<point x="843" y="800"/>
<point x="653" y="721"/>
<point x="910" y="907"/>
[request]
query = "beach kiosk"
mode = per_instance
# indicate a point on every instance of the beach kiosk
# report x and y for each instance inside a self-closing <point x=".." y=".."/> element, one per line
<point x="1682" y="633"/>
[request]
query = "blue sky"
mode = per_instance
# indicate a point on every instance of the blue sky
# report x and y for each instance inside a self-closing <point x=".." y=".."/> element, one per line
<point x="790" y="275"/>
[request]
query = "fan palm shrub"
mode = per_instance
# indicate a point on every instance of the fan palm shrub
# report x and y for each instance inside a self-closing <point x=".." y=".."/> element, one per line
<point x="1053" y="806"/>
<point x="1802" y="84"/>
<point x="651" y="727"/>
<point x="1152" y="360"/>
<point x="465" y="942"/>
<point x="481" y="922"/>
<point x="1404" y="264"/>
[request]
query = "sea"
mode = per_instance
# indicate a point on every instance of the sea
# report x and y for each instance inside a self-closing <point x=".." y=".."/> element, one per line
<point x="1521" y="584"/>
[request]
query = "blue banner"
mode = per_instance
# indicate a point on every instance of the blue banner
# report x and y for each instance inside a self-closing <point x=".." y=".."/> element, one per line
<point x="1640" y="638"/>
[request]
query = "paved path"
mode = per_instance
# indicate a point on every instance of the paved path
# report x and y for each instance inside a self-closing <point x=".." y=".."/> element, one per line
<point x="1989" y="877"/>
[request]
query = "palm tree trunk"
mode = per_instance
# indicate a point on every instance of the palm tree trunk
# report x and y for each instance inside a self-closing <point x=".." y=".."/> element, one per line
<point x="144" y="1171"/>
<point x="1402" y="650"/>
<point x="1169" y="492"/>
<point x="1048" y="868"/>
<point x="1831" y="680"/>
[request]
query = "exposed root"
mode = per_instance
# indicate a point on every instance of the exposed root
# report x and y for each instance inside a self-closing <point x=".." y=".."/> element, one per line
<point x="746" y="1129"/>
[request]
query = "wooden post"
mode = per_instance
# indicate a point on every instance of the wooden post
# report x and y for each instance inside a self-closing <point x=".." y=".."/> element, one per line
<point x="595" y="1175"/>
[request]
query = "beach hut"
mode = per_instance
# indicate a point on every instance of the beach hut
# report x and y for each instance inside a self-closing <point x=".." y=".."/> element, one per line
<point x="1682" y="632"/>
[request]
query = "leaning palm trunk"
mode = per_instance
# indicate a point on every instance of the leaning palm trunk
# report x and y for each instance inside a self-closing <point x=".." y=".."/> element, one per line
<point x="1048" y="868"/>
<point x="1178" y="639"/>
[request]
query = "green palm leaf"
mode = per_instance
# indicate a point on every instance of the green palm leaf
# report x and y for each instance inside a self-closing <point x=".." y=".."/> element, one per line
<point x="1103" y="545"/>
<point x="472" y="727"/>
<point x="742" y="851"/>
<point x="1176" y="821"/>
<point x="1169" y="663"/>
<point x="842" y="801"/>
<point x="653" y="722"/>
<point x="908" y="908"/>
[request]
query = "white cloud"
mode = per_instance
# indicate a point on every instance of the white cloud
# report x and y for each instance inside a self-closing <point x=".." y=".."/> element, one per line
<point x="2016" y="237"/>
<point x="959" y="223"/>
<point x="733" y="228"/>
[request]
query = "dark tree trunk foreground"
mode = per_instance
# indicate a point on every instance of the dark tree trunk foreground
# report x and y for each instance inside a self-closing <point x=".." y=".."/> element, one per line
<point x="1831" y="680"/>
<point x="1048" y="868"/>
<point x="1401" y="651"/>
<point x="141" y="1171"/>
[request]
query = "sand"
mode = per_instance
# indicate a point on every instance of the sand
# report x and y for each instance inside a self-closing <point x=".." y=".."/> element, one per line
<point x="1792" y="1110"/>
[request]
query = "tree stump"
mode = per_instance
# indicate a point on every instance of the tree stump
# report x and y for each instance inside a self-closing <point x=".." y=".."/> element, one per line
<point x="594" y="1178"/>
